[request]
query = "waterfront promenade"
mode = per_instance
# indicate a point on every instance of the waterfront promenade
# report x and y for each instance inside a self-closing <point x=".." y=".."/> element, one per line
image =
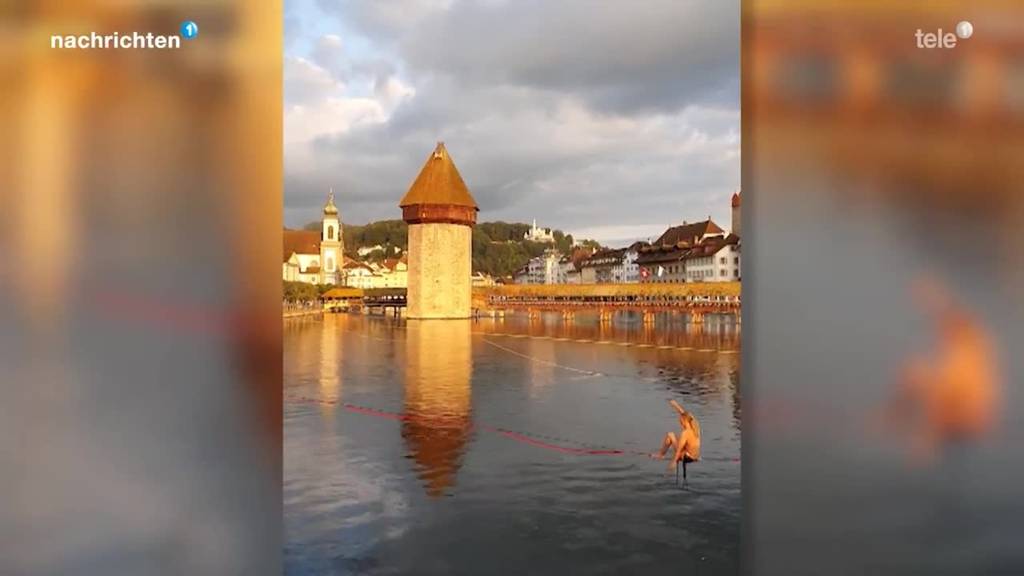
<point x="311" y="310"/>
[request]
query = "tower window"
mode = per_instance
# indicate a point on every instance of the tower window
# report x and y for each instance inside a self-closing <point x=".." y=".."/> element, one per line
<point x="330" y="232"/>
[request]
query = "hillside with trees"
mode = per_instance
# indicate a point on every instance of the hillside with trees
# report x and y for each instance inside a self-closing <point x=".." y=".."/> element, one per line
<point x="498" y="247"/>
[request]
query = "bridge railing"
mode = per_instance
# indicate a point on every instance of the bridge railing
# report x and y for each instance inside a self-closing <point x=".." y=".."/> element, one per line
<point x="612" y="291"/>
<point x="688" y="301"/>
<point x="615" y="303"/>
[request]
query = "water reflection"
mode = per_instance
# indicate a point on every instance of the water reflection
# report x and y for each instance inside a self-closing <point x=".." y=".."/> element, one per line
<point x="417" y="480"/>
<point x="542" y="371"/>
<point x="716" y="332"/>
<point x="330" y="360"/>
<point x="439" y="363"/>
<point x="737" y="404"/>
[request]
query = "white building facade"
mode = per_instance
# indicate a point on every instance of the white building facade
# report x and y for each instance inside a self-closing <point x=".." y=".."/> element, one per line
<point x="718" y="263"/>
<point x="543" y="269"/>
<point x="627" y="271"/>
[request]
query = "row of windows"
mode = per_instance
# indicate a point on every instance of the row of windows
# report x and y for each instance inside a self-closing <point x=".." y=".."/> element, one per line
<point x="316" y="263"/>
<point x="736" y="274"/>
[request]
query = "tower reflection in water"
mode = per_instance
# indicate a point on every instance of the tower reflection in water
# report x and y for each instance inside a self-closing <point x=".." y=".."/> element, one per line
<point x="438" y="367"/>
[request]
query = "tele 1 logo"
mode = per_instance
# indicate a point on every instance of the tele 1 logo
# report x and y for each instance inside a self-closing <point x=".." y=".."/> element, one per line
<point x="940" y="39"/>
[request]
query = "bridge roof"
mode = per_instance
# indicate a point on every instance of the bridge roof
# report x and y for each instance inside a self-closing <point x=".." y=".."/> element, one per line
<point x="376" y="292"/>
<point x="611" y="290"/>
<point x="342" y="292"/>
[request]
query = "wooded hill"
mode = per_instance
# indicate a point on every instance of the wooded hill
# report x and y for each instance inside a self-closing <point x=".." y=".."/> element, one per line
<point x="498" y="247"/>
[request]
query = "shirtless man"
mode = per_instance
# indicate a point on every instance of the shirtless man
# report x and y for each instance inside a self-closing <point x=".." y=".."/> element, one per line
<point x="953" y="394"/>
<point x="687" y="444"/>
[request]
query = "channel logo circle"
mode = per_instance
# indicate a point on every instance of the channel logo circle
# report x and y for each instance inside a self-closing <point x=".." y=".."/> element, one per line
<point x="964" y="30"/>
<point x="189" y="29"/>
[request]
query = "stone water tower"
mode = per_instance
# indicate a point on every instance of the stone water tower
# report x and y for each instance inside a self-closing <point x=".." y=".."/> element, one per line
<point x="441" y="213"/>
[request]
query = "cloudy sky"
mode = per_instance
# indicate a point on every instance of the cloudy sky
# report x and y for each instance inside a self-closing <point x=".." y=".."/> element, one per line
<point x="609" y="120"/>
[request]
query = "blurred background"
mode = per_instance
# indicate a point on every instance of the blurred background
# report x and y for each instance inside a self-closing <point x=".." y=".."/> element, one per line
<point x="140" y="204"/>
<point x="140" y="425"/>
<point x="882" y="306"/>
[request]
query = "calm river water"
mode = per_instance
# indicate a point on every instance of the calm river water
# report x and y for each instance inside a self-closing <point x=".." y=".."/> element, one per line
<point x="463" y="447"/>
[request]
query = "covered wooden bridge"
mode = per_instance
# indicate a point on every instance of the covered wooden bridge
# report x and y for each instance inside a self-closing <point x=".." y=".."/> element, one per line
<point x="697" y="299"/>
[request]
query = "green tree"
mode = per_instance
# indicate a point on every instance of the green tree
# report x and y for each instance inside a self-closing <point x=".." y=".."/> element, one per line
<point x="498" y="247"/>
<point x="299" y="291"/>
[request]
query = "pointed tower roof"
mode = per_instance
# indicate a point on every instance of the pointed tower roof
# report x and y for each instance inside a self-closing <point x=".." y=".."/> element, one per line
<point x="330" y="208"/>
<point x="736" y="200"/>
<point x="439" y="182"/>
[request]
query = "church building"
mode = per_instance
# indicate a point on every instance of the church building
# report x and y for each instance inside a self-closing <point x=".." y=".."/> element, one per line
<point x="315" y="257"/>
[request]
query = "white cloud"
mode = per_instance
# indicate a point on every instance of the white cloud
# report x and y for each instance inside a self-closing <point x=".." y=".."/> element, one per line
<point x="317" y="104"/>
<point x="306" y="82"/>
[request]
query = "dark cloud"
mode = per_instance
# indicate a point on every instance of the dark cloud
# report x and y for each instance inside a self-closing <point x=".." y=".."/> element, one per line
<point x="609" y="117"/>
<point x="624" y="56"/>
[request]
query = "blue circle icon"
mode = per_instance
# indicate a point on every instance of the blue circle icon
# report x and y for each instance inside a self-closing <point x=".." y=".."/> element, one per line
<point x="189" y="29"/>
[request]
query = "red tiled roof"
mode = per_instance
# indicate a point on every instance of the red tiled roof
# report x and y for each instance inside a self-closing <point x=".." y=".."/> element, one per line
<point x="689" y="233"/>
<point x="300" y="242"/>
<point x="684" y="251"/>
<point x="670" y="254"/>
<point x="604" y="257"/>
<point x="353" y="264"/>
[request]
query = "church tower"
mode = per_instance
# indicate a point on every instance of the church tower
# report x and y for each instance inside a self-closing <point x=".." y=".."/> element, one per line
<point x="441" y="213"/>
<point x="736" y="201"/>
<point x="332" y="246"/>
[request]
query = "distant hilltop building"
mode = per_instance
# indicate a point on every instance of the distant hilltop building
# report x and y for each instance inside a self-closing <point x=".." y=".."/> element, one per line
<point x="315" y="257"/>
<point x="440" y="212"/>
<point x="539" y="234"/>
